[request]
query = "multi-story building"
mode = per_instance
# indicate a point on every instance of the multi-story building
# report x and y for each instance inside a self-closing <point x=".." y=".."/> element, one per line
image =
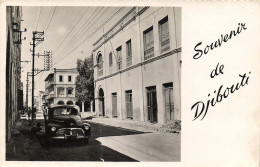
<point x="60" y="86"/>
<point x="137" y="66"/>
<point x="14" y="90"/>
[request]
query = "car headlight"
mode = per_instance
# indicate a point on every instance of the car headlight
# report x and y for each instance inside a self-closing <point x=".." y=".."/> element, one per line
<point x="53" y="129"/>
<point x="86" y="127"/>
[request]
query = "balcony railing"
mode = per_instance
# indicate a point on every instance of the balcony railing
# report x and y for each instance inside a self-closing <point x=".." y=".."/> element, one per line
<point x="49" y="84"/>
<point x="129" y="61"/>
<point x="50" y="96"/>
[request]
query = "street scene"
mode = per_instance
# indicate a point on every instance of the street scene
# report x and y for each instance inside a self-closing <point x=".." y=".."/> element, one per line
<point x="93" y="83"/>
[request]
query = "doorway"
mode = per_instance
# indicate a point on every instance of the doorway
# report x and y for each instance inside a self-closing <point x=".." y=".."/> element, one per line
<point x="114" y="105"/>
<point x="101" y="102"/>
<point x="129" y="104"/>
<point x="152" y="104"/>
<point x="168" y="99"/>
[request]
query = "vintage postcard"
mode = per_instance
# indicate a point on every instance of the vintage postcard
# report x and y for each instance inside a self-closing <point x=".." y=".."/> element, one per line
<point x="175" y="83"/>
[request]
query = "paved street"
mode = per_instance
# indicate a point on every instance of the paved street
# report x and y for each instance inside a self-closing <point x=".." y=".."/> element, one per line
<point x="107" y="143"/>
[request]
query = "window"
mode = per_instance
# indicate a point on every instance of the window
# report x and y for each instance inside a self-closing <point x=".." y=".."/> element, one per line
<point x="69" y="78"/>
<point x="61" y="78"/>
<point x="110" y="59"/>
<point x="60" y="92"/>
<point x="100" y="65"/>
<point x="164" y="34"/>
<point x="119" y="58"/>
<point x="69" y="91"/>
<point x="128" y="53"/>
<point x="148" y="43"/>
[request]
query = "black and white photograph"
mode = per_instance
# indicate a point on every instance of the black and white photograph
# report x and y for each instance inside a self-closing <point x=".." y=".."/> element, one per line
<point x="93" y="83"/>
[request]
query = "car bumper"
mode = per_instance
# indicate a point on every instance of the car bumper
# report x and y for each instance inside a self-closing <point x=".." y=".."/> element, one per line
<point x="69" y="137"/>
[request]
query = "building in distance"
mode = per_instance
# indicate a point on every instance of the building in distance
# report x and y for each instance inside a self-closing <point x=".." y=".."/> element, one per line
<point x="60" y="86"/>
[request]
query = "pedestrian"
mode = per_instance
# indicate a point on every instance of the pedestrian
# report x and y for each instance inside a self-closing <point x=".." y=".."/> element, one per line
<point x="33" y="113"/>
<point x="45" y="112"/>
<point x="29" y="113"/>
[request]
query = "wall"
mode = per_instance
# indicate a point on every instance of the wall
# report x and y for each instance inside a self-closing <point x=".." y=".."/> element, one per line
<point x="65" y="84"/>
<point x="13" y="70"/>
<point x="164" y="67"/>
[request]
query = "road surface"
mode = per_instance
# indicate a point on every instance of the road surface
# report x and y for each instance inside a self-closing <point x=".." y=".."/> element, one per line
<point x="108" y="143"/>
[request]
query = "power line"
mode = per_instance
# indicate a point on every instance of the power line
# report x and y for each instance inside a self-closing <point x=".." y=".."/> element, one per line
<point x="50" y="19"/>
<point x="112" y="16"/>
<point x="45" y="27"/>
<point x="71" y="30"/>
<point x="82" y="41"/>
<point x="66" y="53"/>
<point x="71" y="40"/>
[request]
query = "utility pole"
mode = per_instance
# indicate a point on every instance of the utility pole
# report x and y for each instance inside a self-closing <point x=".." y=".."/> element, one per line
<point x="38" y="39"/>
<point x="27" y="89"/>
<point x="27" y="80"/>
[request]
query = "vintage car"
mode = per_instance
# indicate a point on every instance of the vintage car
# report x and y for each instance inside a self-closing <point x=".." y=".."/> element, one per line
<point x="64" y="123"/>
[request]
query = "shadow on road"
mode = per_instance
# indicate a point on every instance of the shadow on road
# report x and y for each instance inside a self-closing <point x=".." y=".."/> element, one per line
<point x="93" y="151"/>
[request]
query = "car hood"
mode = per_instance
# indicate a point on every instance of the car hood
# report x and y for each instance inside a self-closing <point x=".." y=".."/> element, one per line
<point x="68" y="120"/>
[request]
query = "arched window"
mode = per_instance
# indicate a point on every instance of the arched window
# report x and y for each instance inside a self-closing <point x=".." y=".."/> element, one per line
<point x="69" y="103"/>
<point x="61" y="103"/>
<point x="100" y="64"/>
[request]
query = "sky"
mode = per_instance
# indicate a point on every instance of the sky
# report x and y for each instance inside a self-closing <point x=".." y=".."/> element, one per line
<point x="69" y="32"/>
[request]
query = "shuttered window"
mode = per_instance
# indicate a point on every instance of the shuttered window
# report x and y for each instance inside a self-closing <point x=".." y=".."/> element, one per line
<point x="128" y="53"/>
<point x="164" y="35"/>
<point x="148" y="43"/>
<point x="119" y="58"/>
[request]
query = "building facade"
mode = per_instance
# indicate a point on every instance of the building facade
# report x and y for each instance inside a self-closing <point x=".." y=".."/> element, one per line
<point x="60" y="86"/>
<point x="137" y="66"/>
<point x="14" y="90"/>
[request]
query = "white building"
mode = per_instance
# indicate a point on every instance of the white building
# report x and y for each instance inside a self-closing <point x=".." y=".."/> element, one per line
<point x="138" y="66"/>
<point x="60" y="86"/>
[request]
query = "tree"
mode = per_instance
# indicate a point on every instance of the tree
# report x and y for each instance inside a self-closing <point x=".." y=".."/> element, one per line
<point x="85" y="81"/>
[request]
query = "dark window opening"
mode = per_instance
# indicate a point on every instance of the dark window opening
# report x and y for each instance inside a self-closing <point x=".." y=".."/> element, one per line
<point x="60" y="78"/>
<point x="119" y="57"/>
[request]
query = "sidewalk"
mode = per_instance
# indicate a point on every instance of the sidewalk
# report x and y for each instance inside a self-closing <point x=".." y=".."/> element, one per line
<point x="21" y="147"/>
<point x="137" y="125"/>
<point x="161" y="143"/>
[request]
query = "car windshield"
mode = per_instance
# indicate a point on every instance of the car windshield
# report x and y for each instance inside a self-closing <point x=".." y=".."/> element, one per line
<point x="65" y="111"/>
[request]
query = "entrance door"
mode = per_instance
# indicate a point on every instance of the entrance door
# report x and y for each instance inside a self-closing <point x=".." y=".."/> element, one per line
<point x="101" y="107"/>
<point x="169" y="105"/>
<point x="114" y="104"/>
<point x="129" y="104"/>
<point x="152" y="104"/>
<point x="101" y="103"/>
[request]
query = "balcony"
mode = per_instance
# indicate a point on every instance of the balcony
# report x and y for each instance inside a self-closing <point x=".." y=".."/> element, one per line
<point x="48" y="84"/>
<point x="50" y="96"/>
